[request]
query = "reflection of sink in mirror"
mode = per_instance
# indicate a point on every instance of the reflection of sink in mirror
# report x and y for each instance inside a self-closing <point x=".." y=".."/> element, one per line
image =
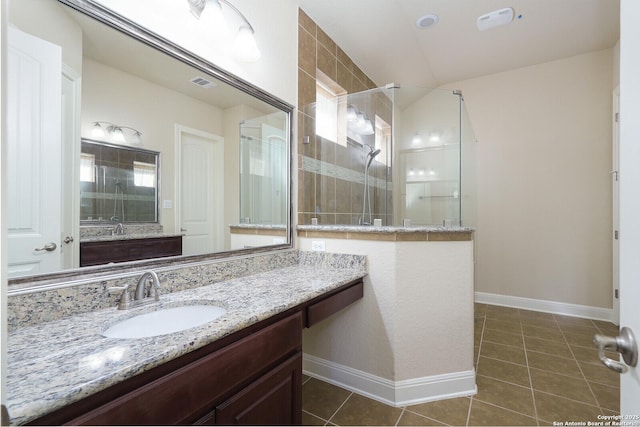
<point x="164" y="321"/>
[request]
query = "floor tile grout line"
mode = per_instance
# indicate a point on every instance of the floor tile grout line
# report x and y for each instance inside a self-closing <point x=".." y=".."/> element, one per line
<point x="339" y="407"/>
<point x="526" y="358"/>
<point x="586" y="380"/>
<point x="507" y="409"/>
<point x="484" y="322"/>
<point x="316" y="416"/>
<point x="404" y="408"/>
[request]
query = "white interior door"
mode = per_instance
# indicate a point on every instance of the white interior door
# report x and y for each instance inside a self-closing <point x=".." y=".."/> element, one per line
<point x="34" y="69"/>
<point x="70" y="194"/>
<point x="200" y="214"/>
<point x="615" y="191"/>
<point x="630" y="194"/>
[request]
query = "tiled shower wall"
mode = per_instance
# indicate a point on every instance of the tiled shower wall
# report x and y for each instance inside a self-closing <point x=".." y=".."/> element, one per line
<point x="331" y="176"/>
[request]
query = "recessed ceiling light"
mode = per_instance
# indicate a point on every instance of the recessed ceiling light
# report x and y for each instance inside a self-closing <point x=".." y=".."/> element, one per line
<point x="427" y="21"/>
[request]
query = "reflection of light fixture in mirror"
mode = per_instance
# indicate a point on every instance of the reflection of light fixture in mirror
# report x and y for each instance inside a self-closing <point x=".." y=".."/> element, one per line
<point x="434" y="137"/>
<point x="115" y="133"/>
<point x="352" y="114"/>
<point x="245" y="46"/>
<point x="358" y="122"/>
<point x="416" y="140"/>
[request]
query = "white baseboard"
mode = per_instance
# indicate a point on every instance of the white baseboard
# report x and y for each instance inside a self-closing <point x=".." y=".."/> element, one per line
<point x="393" y="393"/>
<point x="554" y="307"/>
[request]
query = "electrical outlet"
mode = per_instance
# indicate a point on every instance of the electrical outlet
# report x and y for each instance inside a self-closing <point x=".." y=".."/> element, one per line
<point x="317" y="245"/>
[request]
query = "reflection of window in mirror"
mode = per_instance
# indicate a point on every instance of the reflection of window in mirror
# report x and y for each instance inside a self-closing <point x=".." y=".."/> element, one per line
<point x="87" y="167"/>
<point x="330" y="110"/>
<point x="383" y="139"/>
<point x="144" y="174"/>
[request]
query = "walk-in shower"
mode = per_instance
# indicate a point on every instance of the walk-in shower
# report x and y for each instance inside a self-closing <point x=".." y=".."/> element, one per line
<point x="395" y="153"/>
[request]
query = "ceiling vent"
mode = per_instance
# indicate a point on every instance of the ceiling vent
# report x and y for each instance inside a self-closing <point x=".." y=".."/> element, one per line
<point x="202" y="82"/>
<point x="495" y="19"/>
<point x="427" y="21"/>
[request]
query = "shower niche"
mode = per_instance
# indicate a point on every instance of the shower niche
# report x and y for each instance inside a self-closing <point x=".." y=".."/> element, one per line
<point x="118" y="183"/>
<point x="401" y="153"/>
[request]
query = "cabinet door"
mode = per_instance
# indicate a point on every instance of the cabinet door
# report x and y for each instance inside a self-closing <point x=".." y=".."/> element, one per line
<point x="273" y="399"/>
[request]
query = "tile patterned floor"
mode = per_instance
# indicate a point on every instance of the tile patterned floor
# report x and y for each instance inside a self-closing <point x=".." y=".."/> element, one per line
<point x="532" y="369"/>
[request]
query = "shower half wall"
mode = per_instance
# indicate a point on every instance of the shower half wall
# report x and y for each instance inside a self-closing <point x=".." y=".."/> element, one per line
<point x="424" y="171"/>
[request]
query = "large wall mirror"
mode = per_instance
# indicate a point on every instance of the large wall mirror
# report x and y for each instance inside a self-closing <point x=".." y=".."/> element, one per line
<point x="200" y="154"/>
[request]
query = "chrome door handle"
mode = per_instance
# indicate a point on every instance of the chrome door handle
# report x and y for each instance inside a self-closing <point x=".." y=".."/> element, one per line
<point x="49" y="247"/>
<point x="625" y="344"/>
<point x="68" y="239"/>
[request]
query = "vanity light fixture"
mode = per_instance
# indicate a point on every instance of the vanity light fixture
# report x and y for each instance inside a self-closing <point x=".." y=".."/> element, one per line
<point x="115" y="133"/>
<point x="416" y="140"/>
<point x="245" y="46"/>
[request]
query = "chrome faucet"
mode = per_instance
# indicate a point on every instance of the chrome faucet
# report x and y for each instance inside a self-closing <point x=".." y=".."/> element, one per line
<point x="141" y="296"/>
<point x="118" y="229"/>
<point x="154" y="289"/>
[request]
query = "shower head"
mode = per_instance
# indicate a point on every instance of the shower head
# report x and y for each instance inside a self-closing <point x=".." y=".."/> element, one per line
<point x="371" y="155"/>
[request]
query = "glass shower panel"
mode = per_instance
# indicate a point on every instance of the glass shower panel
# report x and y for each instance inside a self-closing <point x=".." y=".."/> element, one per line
<point x="428" y="147"/>
<point x="263" y="171"/>
<point x="400" y="153"/>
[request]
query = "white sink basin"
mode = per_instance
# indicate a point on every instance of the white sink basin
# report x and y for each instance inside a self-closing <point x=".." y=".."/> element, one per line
<point x="164" y="321"/>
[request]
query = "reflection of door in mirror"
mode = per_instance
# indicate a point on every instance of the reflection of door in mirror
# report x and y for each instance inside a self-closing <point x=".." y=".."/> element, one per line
<point x="263" y="172"/>
<point x="34" y="154"/>
<point x="200" y="211"/>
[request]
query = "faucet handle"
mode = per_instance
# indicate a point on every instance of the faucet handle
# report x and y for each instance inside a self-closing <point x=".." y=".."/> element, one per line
<point x="125" y="298"/>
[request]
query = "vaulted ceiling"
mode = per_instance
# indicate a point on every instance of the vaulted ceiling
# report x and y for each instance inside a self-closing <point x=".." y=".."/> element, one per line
<point x="381" y="36"/>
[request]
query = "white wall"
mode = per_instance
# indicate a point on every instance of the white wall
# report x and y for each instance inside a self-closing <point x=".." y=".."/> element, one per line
<point x="413" y="325"/>
<point x="276" y="31"/>
<point x="544" y="189"/>
<point x="153" y="110"/>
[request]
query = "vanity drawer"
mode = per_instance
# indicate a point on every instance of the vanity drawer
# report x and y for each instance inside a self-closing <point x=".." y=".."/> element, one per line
<point x="98" y="253"/>
<point x="188" y="393"/>
<point x="320" y="310"/>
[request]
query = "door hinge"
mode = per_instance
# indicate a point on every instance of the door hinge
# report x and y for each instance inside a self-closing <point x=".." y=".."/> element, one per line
<point x="617" y="117"/>
<point x="616" y="293"/>
<point x="616" y="234"/>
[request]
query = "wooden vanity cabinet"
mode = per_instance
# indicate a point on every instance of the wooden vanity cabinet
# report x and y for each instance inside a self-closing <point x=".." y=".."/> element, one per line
<point x="104" y="252"/>
<point x="252" y="377"/>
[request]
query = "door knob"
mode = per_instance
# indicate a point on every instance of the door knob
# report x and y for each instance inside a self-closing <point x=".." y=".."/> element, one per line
<point x="625" y="344"/>
<point x="49" y="247"/>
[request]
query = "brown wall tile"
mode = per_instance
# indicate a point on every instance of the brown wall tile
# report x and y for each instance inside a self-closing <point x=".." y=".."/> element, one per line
<point x="306" y="51"/>
<point x="327" y="62"/>
<point x="308" y="23"/>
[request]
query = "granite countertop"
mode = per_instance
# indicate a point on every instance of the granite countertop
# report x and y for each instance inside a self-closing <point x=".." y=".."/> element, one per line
<point x="260" y="226"/>
<point x="126" y="236"/>
<point x="384" y="229"/>
<point x="51" y="365"/>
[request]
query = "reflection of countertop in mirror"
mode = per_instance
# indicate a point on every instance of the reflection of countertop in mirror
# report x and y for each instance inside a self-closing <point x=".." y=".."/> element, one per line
<point x="51" y="365"/>
<point x="126" y="236"/>
<point x="387" y="233"/>
<point x="238" y="228"/>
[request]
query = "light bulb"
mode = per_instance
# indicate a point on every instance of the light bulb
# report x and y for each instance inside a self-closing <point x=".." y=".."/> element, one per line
<point x="137" y="138"/>
<point x="97" y="131"/>
<point x="245" y="46"/>
<point x="351" y="114"/>
<point x="117" y="135"/>
<point x="215" y="21"/>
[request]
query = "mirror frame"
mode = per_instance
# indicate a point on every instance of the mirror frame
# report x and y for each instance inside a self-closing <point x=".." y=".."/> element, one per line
<point x="130" y="28"/>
